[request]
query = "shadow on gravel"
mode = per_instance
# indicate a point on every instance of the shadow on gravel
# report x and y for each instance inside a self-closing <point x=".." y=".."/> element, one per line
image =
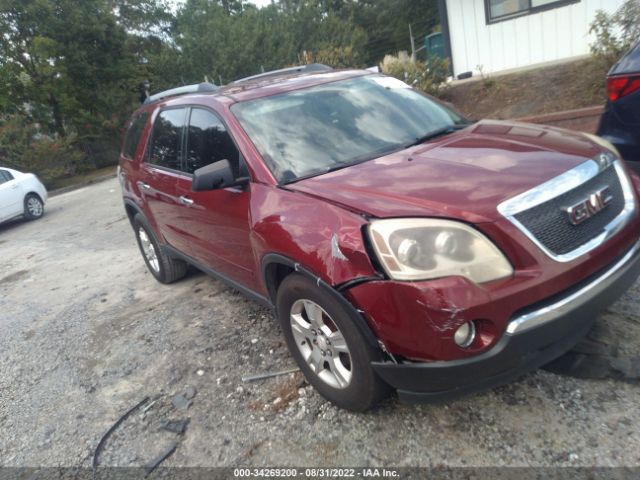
<point x="610" y="351"/>
<point x="8" y="225"/>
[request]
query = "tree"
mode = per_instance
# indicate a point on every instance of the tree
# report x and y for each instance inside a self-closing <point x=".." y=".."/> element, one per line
<point x="68" y="64"/>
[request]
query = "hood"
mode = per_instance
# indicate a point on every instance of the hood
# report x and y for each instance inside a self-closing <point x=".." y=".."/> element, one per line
<point x="464" y="175"/>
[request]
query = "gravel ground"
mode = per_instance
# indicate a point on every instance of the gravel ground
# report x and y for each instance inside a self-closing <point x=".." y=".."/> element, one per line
<point x="87" y="333"/>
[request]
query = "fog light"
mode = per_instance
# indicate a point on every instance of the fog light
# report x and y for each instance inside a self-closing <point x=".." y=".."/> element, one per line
<point x="465" y="335"/>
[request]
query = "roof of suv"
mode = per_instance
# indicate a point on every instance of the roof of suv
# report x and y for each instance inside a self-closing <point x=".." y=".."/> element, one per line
<point x="271" y="86"/>
<point x="250" y="89"/>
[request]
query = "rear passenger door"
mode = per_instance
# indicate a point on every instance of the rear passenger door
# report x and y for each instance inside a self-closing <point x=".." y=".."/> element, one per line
<point x="218" y="221"/>
<point x="160" y="175"/>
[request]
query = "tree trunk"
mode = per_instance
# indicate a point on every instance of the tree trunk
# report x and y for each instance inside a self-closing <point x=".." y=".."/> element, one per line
<point x="57" y="115"/>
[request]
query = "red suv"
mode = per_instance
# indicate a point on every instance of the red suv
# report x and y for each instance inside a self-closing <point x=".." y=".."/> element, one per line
<point x="400" y="245"/>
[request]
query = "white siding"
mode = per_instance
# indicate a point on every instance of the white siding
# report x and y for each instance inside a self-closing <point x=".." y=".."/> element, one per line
<point x="546" y="36"/>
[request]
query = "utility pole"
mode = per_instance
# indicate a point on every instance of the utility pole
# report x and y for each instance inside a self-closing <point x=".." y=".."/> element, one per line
<point x="413" y="45"/>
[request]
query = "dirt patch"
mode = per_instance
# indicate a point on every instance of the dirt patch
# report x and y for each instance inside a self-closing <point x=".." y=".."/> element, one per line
<point x="551" y="89"/>
<point x="281" y="395"/>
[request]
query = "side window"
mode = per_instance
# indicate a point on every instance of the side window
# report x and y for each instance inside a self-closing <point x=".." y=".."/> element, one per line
<point x="208" y="141"/>
<point x="5" y="176"/>
<point x="166" y="139"/>
<point x="134" y="132"/>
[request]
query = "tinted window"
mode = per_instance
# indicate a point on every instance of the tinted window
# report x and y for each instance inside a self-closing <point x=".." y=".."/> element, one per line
<point x="208" y="141"/>
<point x="5" y="176"/>
<point x="166" y="139"/>
<point x="134" y="132"/>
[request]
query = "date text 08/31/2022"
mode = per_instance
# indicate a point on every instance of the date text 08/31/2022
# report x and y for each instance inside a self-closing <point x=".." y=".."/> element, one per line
<point x="315" y="472"/>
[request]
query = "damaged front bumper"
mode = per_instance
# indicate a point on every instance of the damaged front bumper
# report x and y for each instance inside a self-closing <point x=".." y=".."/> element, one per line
<point x="533" y="337"/>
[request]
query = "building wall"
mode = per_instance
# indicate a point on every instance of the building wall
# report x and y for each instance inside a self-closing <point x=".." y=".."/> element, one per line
<point x="554" y="34"/>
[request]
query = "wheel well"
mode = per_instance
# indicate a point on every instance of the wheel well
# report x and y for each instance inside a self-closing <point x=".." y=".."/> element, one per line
<point x="131" y="212"/>
<point x="35" y="194"/>
<point x="274" y="274"/>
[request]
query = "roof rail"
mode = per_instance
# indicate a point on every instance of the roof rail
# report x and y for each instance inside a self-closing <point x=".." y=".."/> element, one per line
<point x="312" y="67"/>
<point x="195" y="88"/>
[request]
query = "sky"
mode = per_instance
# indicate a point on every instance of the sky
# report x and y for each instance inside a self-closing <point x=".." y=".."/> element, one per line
<point x="259" y="3"/>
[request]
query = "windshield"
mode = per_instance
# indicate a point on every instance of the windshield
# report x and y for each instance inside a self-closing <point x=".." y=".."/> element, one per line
<point x="315" y="130"/>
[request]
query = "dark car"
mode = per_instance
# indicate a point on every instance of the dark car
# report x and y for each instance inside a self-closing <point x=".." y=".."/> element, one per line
<point x="398" y="244"/>
<point x="620" y="122"/>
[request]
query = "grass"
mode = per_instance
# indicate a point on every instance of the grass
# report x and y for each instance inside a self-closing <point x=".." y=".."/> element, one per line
<point x="568" y="86"/>
<point x="81" y="179"/>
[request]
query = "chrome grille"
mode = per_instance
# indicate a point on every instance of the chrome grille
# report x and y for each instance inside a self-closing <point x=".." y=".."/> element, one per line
<point x="541" y="213"/>
<point x="549" y="222"/>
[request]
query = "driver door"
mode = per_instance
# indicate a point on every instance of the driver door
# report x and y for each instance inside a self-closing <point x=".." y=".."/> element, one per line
<point x="217" y="222"/>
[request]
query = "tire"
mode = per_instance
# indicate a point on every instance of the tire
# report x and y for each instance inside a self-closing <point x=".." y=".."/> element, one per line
<point x="326" y="344"/>
<point x="33" y="207"/>
<point x="164" y="268"/>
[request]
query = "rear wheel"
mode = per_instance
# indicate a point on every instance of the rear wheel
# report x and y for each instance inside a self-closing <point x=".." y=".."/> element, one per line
<point x="327" y="346"/>
<point x="33" y="207"/>
<point x="163" y="267"/>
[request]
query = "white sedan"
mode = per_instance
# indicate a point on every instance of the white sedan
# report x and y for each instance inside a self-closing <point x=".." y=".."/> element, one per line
<point x="21" y="194"/>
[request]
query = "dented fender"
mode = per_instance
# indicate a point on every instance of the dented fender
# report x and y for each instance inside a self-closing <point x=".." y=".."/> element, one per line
<point x="329" y="243"/>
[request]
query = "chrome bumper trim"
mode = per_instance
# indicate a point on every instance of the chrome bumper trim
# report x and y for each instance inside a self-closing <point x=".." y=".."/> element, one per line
<point x="573" y="301"/>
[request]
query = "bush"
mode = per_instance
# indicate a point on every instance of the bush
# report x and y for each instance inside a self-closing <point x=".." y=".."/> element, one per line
<point x="53" y="159"/>
<point x="427" y="76"/>
<point x="22" y="147"/>
<point x="616" y="32"/>
<point x="337" y="57"/>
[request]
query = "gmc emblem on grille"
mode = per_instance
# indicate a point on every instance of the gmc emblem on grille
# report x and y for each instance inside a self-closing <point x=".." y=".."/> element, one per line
<point x="596" y="202"/>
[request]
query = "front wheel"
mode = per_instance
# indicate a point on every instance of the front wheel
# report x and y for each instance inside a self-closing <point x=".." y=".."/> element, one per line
<point x="327" y="346"/>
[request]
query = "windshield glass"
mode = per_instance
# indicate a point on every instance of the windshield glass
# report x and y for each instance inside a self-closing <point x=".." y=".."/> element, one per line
<point x="311" y="131"/>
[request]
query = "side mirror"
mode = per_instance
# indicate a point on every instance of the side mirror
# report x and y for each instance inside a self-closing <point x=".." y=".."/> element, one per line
<point x="215" y="176"/>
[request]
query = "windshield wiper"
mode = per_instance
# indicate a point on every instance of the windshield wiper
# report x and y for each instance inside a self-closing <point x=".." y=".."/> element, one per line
<point x="332" y="168"/>
<point x="386" y="151"/>
<point x="433" y="134"/>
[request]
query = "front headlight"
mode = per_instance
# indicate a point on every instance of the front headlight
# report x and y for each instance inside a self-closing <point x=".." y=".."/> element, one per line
<point x="428" y="248"/>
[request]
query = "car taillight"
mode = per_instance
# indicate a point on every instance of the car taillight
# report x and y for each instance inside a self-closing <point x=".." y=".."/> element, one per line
<point x="622" y="86"/>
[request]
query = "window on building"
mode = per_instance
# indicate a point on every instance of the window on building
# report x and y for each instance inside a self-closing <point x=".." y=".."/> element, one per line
<point x="503" y="9"/>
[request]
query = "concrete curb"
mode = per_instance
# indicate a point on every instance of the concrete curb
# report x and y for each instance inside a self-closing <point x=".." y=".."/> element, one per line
<point x="583" y="119"/>
<point x="565" y="115"/>
<point x="77" y="186"/>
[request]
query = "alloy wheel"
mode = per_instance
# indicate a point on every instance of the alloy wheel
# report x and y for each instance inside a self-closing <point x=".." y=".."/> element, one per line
<point x="34" y="206"/>
<point x="321" y="343"/>
<point x="148" y="250"/>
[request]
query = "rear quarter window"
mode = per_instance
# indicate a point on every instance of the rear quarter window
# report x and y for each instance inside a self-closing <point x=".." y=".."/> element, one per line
<point x="5" y="176"/>
<point x="134" y="132"/>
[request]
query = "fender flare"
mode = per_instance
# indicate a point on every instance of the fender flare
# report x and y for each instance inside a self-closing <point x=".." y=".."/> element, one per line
<point x="355" y="314"/>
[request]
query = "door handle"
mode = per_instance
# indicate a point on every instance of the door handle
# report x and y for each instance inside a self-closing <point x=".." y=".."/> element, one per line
<point x="144" y="186"/>
<point x="186" y="201"/>
<point x="14" y="186"/>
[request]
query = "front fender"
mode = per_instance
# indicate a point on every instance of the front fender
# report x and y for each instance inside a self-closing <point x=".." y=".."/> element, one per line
<point x="325" y="239"/>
